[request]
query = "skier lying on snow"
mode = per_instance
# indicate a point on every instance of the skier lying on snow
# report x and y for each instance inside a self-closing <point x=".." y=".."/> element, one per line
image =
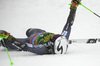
<point x="42" y="42"/>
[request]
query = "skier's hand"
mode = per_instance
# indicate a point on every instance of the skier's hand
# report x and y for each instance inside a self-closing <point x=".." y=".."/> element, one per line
<point x="74" y="4"/>
<point x="4" y="33"/>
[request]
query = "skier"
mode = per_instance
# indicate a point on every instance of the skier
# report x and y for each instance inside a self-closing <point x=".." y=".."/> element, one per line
<point x="41" y="42"/>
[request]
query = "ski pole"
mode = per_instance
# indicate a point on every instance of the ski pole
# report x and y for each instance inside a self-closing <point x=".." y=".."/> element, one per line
<point x="90" y="10"/>
<point x="11" y="63"/>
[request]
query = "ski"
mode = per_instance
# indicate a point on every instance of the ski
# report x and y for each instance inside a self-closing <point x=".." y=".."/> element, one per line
<point x="87" y="41"/>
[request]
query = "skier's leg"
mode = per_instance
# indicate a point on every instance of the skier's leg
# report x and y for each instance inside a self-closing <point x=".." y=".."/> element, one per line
<point x="33" y="31"/>
<point x="67" y="28"/>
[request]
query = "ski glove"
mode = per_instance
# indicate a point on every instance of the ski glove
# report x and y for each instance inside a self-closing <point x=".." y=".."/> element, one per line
<point x="4" y="33"/>
<point x="74" y="4"/>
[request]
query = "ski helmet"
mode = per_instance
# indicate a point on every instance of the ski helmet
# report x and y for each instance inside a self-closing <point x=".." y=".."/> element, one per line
<point x="60" y="44"/>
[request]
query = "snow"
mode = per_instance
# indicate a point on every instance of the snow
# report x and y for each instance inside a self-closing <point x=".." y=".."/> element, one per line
<point x="16" y="16"/>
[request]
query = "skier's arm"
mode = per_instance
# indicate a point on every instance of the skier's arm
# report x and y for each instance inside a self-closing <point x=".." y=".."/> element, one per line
<point x="20" y="44"/>
<point x="38" y="49"/>
<point x="67" y="28"/>
<point x="23" y="46"/>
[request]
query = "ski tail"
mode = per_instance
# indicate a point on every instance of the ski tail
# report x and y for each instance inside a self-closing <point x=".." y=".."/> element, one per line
<point x="87" y="41"/>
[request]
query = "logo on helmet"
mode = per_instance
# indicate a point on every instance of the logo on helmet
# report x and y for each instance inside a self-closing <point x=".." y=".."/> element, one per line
<point x="60" y="48"/>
